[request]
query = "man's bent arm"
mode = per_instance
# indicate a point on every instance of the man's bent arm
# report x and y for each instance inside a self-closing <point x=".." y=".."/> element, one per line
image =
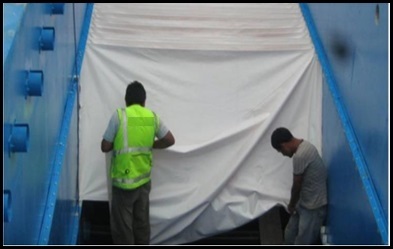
<point x="295" y="192"/>
<point x="165" y="142"/>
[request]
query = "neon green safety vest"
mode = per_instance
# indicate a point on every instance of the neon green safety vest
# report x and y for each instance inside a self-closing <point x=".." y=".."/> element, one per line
<point x="132" y="147"/>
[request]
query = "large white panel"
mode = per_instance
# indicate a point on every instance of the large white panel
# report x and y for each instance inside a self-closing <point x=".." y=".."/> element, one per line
<point x="222" y="77"/>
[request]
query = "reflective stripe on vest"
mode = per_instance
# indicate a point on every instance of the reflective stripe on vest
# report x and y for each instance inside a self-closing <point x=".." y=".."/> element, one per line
<point x="130" y="181"/>
<point x="125" y="133"/>
<point x="132" y="149"/>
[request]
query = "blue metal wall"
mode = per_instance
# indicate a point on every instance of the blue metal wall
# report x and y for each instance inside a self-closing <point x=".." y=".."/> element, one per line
<point x="43" y="180"/>
<point x="354" y="39"/>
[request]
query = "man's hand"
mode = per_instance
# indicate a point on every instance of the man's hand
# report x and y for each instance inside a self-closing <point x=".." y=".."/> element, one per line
<point x="106" y="146"/>
<point x="291" y="209"/>
<point x="295" y="193"/>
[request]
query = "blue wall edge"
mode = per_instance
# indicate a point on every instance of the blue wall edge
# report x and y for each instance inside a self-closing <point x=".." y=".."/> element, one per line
<point x="348" y="130"/>
<point x="62" y="142"/>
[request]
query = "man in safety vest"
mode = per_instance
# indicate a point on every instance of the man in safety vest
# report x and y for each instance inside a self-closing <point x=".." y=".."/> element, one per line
<point x="131" y="134"/>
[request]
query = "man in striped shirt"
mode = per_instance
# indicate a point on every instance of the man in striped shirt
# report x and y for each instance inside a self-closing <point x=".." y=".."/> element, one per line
<point x="308" y="202"/>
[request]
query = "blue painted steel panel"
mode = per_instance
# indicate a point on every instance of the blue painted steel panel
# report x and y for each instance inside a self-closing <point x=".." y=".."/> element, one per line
<point x="67" y="154"/>
<point x="67" y="199"/>
<point x="354" y="37"/>
<point x="13" y="15"/>
<point x="350" y="217"/>
<point x="29" y="176"/>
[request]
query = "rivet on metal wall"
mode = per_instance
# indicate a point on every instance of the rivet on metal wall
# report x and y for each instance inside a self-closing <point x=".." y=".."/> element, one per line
<point x="34" y="83"/>
<point x="19" y="138"/>
<point x="57" y="8"/>
<point x="47" y="38"/>
<point x="7" y="214"/>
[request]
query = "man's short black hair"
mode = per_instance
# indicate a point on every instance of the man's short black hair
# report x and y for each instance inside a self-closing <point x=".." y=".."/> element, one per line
<point x="135" y="94"/>
<point x="279" y="136"/>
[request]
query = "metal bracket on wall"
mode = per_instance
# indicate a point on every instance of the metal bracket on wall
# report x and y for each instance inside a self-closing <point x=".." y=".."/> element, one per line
<point x="7" y="214"/>
<point x="47" y="38"/>
<point x="34" y="83"/>
<point x="57" y="8"/>
<point x="18" y="140"/>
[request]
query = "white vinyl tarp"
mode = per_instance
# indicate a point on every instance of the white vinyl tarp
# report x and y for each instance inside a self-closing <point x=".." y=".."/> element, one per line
<point x="222" y="77"/>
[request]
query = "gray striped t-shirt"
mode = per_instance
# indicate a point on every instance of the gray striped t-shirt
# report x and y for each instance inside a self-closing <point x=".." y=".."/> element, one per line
<point x="307" y="162"/>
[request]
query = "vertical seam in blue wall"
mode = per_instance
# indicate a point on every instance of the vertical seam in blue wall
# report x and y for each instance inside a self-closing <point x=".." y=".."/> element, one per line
<point x="62" y="143"/>
<point x="79" y="60"/>
<point x="349" y="132"/>
<point x="81" y="52"/>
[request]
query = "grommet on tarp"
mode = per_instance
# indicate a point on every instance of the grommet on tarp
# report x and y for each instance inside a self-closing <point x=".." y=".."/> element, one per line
<point x="47" y="38"/>
<point x="57" y="8"/>
<point x="7" y="214"/>
<point x="19" y="138"/>
<point x="34" y="83"/>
